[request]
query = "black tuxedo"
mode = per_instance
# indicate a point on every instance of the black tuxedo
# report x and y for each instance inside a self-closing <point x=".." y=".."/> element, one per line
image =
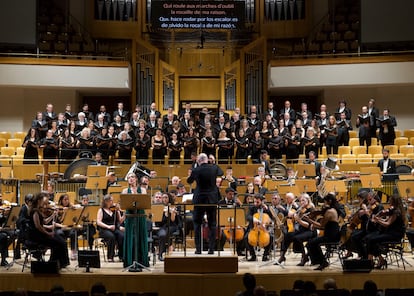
<point x="291" y="112"/>
<point x="206" y="192"/>
<point x="391" y="167"/>
<point x="182" y="112"/>
<point x="123" y="114"/>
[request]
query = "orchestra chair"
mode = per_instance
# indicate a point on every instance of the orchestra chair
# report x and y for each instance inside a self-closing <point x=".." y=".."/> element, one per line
<point x="399" y="292"/>
<point x="364" y="158"/>
<point x="411" y="140"/>
<point x="353" y="134"/>
<point x="349" y="158"/>
<point x="19" y="135"/>
<point x="353" y="142"/>
<point x="14" y="143"/>
<point x="20" y="151"/>
<point x="7" y="151"/>
<point x="397" y="156"/>
<point x="377" y="157"/>
<point x="331" y="249"/>
<point x="392" y="148"/>
<point x="406" y="149"/>
<point x="398" y="133"/>
<point x="4" y="141"/>
<point x="323" y="153"/>
<point x="394" y="253"/>
<point x="5" y="135"/>
<point x="374" y="141"/>
<point x="344" y="150"/>
<point x="17" y="159"/>
<point x="408" y="133"/>
<point x="399" y="141"/>
<point x="410" y="156"/>
<point x="375" y="149"/>
<point x="32" y="250"/>
<point x="359" y="150"/>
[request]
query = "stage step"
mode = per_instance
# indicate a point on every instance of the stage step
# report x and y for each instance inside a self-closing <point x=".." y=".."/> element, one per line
<point x="201" y="264"/>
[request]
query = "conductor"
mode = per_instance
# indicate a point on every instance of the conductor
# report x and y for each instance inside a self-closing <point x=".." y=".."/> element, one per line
<point x="205" y="193"/>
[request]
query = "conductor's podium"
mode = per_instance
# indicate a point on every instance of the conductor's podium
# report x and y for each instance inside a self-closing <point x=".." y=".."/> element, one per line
<point x="201" y="264"/>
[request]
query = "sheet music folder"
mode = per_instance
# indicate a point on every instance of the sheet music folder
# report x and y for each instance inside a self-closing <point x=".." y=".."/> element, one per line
<point x="135" y="201"/>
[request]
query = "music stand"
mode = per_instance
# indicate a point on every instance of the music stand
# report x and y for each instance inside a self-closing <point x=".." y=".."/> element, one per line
<point x="96" y="183"/>
<point x="306" y="170"/>
<point x="232" y="218"/>
<point x="335" y="186"/>
<point x="286" y="188"/>
<point x="306" y="185"/>
<point x="405" y="188"/>
<point x="72" y="217"/>
<point x="371" y="181"/>
<point x="135" y="202"/>
<point x="97" y="171"/>
<point x="12" y="218"/>
<point x="6" y="173"/>
<point x="370" y="170"/>
<point x="88" y="216"/>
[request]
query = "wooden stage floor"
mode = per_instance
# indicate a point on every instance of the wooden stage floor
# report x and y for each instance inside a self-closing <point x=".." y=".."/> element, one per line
<point x="272" y="277"/>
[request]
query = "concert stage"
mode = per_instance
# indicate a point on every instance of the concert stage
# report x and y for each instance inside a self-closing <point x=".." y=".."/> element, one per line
<point x="273" y="278"/>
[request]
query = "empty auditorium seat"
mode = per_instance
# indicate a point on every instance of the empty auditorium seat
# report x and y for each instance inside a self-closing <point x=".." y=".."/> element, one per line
<point x="359" y="150"/>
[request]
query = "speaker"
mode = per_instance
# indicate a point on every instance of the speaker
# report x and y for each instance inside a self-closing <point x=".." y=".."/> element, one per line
<point x="39" y="267"/>
<point x="354" y="265"/>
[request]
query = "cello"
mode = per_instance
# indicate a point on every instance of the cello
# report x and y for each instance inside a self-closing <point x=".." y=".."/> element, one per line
<point x="258" y="235"/>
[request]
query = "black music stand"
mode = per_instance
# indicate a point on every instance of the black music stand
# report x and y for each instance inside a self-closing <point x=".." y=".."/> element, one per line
<point x="135" y="202"/>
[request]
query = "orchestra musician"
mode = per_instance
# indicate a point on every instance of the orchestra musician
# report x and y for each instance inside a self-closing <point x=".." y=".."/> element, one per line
<point x="22" y="224"/>
<point x="386" y="164"/>
<point x="330" y="225"/>
<point x="392" y="224"/>
<point x="170" y="223"/>
<point x="258" y="216"/>
<point x="7" y="235"/>
<point x="108" y="220"/>
<point x="135" y="225"/>
<point x="63" y="206"/>
<point x="301" y="231"/>
<point x="357" y="226"/>
<point x="42" y="232"/>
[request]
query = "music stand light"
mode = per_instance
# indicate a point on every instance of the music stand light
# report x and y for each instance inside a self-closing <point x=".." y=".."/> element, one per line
<point x="89" y="259"/>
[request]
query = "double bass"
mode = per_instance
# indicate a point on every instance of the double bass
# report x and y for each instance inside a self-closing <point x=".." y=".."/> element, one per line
<point x="258" y="235"/>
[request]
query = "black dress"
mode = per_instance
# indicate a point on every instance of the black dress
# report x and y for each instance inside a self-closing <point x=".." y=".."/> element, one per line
<point x="57" y="244"/>
<point x="142" y="146"/>
<point x="112" y="238"/>
<point x="31" y="154"/>
<point x="175" y="151"/>
<point x="159" y="151"/>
